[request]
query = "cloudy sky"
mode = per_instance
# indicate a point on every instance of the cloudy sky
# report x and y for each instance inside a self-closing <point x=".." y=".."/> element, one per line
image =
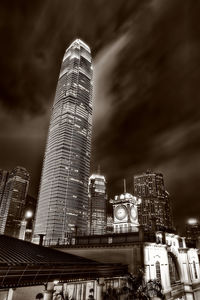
<point x="146" y="57"/>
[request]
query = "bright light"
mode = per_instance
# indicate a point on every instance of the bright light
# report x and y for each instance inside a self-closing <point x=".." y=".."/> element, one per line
<point x="192" y="221"/>
<point x="56" y="281"/>
<point x="28" y="214"/>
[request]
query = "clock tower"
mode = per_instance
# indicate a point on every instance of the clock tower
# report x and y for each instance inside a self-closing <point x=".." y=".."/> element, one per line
<point x="125" y="213"/>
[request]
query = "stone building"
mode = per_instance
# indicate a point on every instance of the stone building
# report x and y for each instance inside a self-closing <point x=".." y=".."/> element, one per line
<point x="163" y="257"/>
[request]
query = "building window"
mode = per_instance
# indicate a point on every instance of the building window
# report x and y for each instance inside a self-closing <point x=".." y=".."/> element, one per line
<point x="158" y="274"/>
<point x="173" y="270"/>
<point x="195" y="270"/>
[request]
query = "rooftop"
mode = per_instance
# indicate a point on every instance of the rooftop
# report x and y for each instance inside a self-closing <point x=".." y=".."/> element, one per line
<point x="79" y="42"/>
<point x="24" y="264"/>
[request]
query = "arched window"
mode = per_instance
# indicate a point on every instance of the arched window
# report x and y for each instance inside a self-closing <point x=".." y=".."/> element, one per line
<point x="158" y="274"/>
<point x="195" y="270"/>
<point x="173" y="269"/>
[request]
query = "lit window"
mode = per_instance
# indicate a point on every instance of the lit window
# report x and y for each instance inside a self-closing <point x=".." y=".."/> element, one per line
<point x="173" y="270"/>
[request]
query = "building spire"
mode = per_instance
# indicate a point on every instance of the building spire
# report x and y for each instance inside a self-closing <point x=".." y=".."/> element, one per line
<point x="99" y="169"/>
<point x="124" y="185"/>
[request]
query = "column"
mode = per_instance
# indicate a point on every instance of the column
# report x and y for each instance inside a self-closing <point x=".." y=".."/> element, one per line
<point x="10" y="294"/>
<point x="100" y="284"/>
<point x="48" y="294"/>
<point x="184" y="243"/>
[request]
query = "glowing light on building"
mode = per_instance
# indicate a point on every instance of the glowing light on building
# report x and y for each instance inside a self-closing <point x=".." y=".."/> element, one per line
<point x="192" y="221"/>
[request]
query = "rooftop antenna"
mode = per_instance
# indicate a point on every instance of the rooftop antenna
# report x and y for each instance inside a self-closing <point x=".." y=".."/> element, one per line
<point x="124" y="185"/>
<point x="99" y="170"/>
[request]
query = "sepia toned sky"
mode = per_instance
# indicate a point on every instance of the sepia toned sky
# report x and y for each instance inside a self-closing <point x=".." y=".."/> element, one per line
<point x="146" y="57"/>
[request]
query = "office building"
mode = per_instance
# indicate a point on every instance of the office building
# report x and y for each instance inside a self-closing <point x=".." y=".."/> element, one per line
<point x="155" y="210"/>
<point x="3" y="179"/>
<point x="97" y="204"/>
<point x="13" y="201"/>
<point x="192" y="230"/>
<point x="109" y="224"/>
<point x="63" y="196"/>
<point x="26" y="229"/>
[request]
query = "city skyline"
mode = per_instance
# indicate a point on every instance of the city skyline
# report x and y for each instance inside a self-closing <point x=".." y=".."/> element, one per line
<point x="145" y="84"/>
<point x="63" y="197"/>
<point x="100" y="150"/>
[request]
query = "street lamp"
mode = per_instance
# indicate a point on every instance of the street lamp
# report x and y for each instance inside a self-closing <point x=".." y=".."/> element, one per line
<point x="22" y="233"/>
<point x="28" y="214"/>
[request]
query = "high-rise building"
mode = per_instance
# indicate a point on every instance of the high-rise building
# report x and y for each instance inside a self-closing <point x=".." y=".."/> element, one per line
<point x="26" y="229"/>
<point x="109" y="224"/>
<point x="192" y="230"/>
<point x="63" y="196"/>
<point x="155" y="210"/>
<point x="13" y="201"/>
<point x="3" y="180"/>
<point x="97" y="204"/>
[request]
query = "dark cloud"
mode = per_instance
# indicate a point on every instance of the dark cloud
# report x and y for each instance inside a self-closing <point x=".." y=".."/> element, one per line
<point x="34" y="37"/>
<point x="147" y="59"/>
<point x="155" y="109"/>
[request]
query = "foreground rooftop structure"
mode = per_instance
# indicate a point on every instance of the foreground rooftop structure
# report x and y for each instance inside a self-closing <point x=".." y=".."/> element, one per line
<point x="26" y="264"/>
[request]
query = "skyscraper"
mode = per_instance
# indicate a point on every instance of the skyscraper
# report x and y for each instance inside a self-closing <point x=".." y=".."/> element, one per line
<point x="97" y="204"/>
<point x="13" y="201"/>
<point x="3" y="180"/>
<point x="155" y="210"/>
<point x="192" y="230"/>
<point x="63" y="197"/>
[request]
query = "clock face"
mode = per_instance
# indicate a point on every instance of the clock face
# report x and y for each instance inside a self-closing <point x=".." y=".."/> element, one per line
<point x="133" y="212"/>
<point x="120" y="212"/>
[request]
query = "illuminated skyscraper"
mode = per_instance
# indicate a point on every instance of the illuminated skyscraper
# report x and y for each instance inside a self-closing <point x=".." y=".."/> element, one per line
<point x="3" y="204"/>
<point x="97" y="204"/>
<point x="13" y="201"/>
<point x="192" y="230"/>
<point x="63" y="197"/>
<point x="3" y="179"/>
<point x="155" y="210"/>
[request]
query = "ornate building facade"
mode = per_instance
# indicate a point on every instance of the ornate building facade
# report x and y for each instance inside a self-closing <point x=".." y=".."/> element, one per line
<point x="125" y="213"/>
<point x="163" y="258"/>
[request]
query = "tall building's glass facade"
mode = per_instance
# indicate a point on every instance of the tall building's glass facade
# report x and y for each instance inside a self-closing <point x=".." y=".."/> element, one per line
<point x="63" y="197"/>
<point x="3" y="202"/>
<point x="3" y="180"/>
<point x="12" y="206"/>
<point x="97" y="205"/>
<point x="155" y="209"/>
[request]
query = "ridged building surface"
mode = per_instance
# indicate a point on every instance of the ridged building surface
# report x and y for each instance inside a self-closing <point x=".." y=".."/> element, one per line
<point x="13" y="201"/>
<point x="155" y="211"/>
<point x="63" y="197"/>
<point x="97" y="204"/>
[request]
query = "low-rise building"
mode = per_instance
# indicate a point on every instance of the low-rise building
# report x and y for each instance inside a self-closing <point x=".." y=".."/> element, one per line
<point x="163" y="257"/>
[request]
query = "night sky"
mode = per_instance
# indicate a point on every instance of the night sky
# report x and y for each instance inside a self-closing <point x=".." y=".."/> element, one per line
<point x="146" y="57"/>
